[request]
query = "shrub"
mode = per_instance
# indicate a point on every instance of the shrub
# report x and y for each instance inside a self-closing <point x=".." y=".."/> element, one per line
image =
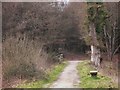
<point x="23" y="58"/>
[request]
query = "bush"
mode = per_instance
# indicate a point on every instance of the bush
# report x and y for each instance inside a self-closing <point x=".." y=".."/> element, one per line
<point x="23" y="58"/>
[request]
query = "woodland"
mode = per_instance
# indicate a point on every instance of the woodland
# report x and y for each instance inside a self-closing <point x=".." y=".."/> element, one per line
<point x="37" y="36"/>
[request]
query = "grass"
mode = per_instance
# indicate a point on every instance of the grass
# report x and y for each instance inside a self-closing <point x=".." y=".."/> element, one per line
<point x="52" y="76"/>
<point x="92" y="82"/>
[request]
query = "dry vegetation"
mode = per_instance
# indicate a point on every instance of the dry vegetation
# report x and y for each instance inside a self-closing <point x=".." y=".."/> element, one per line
<point x="23" y="59"/>
<point x="110" y="68"/>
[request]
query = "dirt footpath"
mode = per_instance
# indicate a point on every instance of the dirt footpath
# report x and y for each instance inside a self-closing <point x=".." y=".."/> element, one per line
<point x="69" y="77"/>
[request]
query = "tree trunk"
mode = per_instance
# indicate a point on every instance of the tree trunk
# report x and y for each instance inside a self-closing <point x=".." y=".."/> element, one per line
<point x="95" y="56"/>
<point x="95" y="51"/>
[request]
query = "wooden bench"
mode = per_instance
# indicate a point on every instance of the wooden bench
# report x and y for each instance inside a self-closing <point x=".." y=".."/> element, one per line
<point x="93" y="73"/>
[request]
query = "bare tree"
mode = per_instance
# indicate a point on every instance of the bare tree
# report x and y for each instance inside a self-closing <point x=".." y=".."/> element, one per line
<point x="111" y="31"/>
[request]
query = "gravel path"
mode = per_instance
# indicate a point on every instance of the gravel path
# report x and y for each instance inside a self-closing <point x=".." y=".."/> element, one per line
<point x="69" y="77"/>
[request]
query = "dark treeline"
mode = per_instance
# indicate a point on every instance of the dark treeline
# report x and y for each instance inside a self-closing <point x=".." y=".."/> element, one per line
<point x="33" y="33"/>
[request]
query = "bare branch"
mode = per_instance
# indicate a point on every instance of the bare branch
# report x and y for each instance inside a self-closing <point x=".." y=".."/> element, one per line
<point x="116" y="49"/>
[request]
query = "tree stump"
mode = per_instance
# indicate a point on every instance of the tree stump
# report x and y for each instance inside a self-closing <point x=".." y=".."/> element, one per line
<point x="93" y="73"/>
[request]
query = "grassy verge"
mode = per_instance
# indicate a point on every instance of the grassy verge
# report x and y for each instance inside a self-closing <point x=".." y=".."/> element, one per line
<point x="92" y="82"/>
<point x="52" y="76"/>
